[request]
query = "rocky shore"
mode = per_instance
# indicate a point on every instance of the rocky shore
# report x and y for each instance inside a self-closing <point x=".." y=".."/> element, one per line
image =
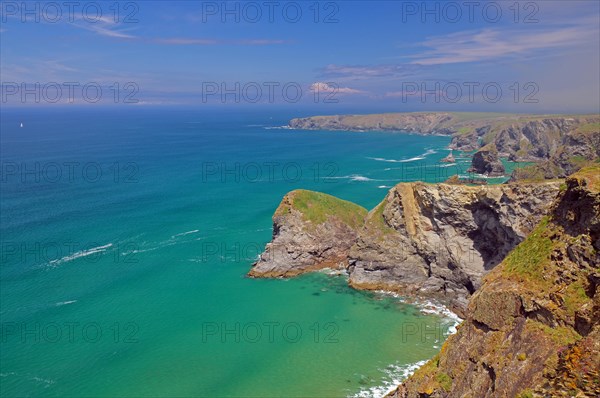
<point x="520" y="262"/>
<point x="561" y="143"/>
<point x="427" y="240"/>
<point x="533" y="328"/>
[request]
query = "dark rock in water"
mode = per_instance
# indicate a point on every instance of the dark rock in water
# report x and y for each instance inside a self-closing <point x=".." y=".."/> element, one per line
<point x="487" y="162"/>
<point x="448" y="159"/>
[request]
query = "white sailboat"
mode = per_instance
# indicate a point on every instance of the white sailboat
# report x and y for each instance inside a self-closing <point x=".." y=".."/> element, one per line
<point x="21" y="124"/>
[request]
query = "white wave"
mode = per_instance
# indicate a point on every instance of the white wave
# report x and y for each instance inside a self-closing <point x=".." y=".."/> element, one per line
<point x="448" y="165"/>
<point x="277" y="128"/>
<point x="482" y="176"/>
<point x="82" y="253"/>
<point x="398" y="161"/>
<point x="185" y="233"/>
<point x="383" y="186"/>
<point x="353" y="177"/>
<point x="61" y="303"/>
<point x="429" y="152"/>
<point x="395" y="374"/>
<point x="48" y="382"/>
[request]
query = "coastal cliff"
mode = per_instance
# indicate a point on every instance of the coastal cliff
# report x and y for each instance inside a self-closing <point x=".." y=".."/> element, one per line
<point x="434" y="240"/>
<point x="311" y="230"/>
<point x="563" y="143"/>
<point x="533" y="328"/>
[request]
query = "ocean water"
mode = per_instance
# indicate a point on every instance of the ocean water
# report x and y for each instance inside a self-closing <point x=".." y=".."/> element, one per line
<point x="126" y="237"/>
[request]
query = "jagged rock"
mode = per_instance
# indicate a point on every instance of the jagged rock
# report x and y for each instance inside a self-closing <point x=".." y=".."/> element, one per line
<point x="421" y="123"/>
<point x="564" y="144"/>
<point x="487" y="162"/>
<point x="448" y="159"/>
<point x="311" y="231"/>
<point x="434" y="240"/>
<point x="438" y="240"/>
<point x="533" y="329"/>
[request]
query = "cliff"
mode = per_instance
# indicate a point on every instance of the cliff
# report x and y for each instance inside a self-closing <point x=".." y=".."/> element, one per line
<point x="421" y="123"/>
<point x="564" y="143"/>
<point x="422" y="239"/>
<point x="311" y="230"/>
<point x="533" y="328"/>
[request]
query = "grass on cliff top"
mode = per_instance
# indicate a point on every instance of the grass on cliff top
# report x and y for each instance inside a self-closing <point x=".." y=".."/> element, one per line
<point x="591" y="174"/>
<point x="317" y="207"/>
<point x="527" y="260"/>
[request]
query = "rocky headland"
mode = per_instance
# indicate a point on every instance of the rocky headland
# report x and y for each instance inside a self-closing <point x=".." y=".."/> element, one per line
<point x="561" y="144"/>
<point x="426" y="240"/>
<point x="533" y="328"/>
<point x="519" y="262"/>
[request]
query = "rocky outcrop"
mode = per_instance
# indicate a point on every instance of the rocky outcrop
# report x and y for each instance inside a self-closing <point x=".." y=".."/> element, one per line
<point x="420" y="123"/>
<point x="439" y="240"/>
<point x="487" y="162"/>
<point x="533" y="328"/>
<point x="423" y="239"/>
<point x="311" y="231"/>
<point x="563" y="144"/>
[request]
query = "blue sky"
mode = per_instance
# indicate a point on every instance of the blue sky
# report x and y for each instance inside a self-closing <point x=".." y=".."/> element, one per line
<point x="544" y="56"/>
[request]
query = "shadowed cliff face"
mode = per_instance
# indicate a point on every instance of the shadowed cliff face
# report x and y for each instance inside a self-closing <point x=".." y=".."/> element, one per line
<point x="422" y="239"/>
<point x="439" y="240"/>
<point x="533" y="329"/>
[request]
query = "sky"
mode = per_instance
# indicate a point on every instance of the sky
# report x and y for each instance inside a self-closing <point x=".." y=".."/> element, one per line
<point x="507" y="56"/>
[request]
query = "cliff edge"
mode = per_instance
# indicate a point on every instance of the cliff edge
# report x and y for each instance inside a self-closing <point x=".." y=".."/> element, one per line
<point x="427" y="240"/>
<point x="533" y="328"/>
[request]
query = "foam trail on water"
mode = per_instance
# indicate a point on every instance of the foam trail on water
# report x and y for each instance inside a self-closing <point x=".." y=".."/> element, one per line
<point x="82" y="253"/>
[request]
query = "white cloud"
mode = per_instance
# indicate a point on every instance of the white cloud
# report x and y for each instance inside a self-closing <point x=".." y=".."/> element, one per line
<point x="332" y="88"/>
<point x="489" y="44"/>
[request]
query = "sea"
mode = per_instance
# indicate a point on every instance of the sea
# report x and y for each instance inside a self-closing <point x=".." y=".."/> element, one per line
<point x="127" y="234"/>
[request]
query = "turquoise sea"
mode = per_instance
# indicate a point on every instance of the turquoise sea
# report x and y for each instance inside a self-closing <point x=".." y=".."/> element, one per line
<point x="126" y="236"/>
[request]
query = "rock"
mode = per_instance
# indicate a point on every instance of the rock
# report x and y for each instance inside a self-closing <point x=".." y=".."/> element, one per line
<point x="311" y="231"/>
<point x="430" y="240"/>
<point x="487" y="162"/>
<point x="449" y="158"/>
<point x="418" y="122"/>
<point x="533" y="328"/>
<point x="438" y="240"/>
<point x="562" y="144"/>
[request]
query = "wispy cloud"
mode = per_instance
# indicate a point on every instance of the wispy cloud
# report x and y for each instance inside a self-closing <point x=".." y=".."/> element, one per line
<point x="370" y="71"/>
<point x="181" y="41"/>
<point x="322" y="87"/>
<point x="489" y="44"/>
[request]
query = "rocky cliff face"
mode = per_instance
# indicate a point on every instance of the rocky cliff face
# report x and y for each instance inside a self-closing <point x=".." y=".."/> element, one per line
<point x="311" y="231"/>
<point x="486" y="161"/>
<point x="533" y="329"/>
<point x="563" y="143"/>
<point x="439" y="240"/>
<point x="421" y="123"/>
<point x="423" y="239"/>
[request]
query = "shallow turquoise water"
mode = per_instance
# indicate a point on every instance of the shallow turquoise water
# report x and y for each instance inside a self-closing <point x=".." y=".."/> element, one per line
<point x="126" y="237"/>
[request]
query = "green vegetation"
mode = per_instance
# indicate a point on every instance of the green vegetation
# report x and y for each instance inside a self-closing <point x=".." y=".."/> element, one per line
<point x="444" y="380"/>
<point x="561" y="335"/>
<point x="521" y="357"/>
<point x="525" y="394"/>
<point x="575" y="297"/>
<point x="317" y="207"/>
<point x="528" y="258"/>
<point x="377" y="221"/>
<point x="592" y="176"/>
<point x="588" y="128"/>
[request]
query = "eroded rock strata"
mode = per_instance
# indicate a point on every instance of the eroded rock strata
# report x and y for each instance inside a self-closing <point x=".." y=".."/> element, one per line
<point x="533" y="328"/>
<point x="434" y="240"/>
<point x="562" y="143"/>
